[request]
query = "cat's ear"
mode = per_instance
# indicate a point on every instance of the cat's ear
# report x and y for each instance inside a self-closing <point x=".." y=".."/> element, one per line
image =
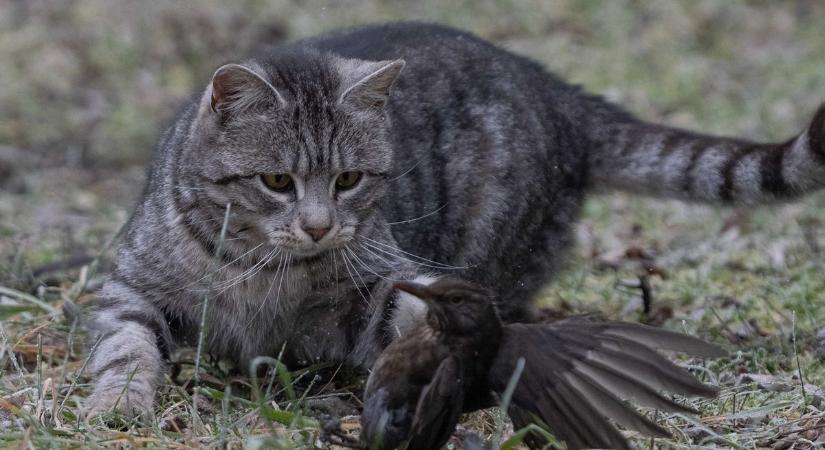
<point x="237" y="88"/>
<point x="367" y="84"/>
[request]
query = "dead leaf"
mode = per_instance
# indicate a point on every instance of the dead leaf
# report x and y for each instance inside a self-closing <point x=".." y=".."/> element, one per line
<point x="175" y="424"/>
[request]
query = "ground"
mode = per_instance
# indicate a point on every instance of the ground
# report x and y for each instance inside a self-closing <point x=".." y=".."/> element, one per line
<point x="87" y="85"/>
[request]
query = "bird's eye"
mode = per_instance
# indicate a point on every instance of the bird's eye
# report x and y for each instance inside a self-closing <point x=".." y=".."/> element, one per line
<point x="278" y="182"/>
<point x="455" y="300"/>
<point x="347" y="180"/>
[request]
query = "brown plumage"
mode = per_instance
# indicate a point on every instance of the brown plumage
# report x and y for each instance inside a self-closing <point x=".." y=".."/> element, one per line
<point x="575" y="376"/>
<point x="417" y="389"/>
<point x="577" y="373"/>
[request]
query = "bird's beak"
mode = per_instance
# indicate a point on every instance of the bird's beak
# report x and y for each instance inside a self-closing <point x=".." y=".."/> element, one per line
<point x="436" y="313"/>
<point x="419" y="290"/>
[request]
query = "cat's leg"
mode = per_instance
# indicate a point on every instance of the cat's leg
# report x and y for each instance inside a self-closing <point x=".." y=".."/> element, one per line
<point x="132" y="341"/>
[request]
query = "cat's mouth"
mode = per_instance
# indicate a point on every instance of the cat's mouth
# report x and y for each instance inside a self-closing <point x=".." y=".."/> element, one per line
<point x="301" y="246"/>
<point x="316" y="249"/>
<point x="308" y="253"/>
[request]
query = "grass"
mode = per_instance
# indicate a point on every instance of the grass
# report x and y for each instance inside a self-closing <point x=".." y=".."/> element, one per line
<point x="88" y="84"/>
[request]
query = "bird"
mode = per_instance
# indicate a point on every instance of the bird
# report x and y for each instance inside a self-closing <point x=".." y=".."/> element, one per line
<point x="417" y="388"/>
<point x="574" y="377"/>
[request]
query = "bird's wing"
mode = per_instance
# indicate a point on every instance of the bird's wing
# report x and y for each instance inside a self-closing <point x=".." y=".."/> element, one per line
<point x="439" y="407"/>
<point x="577" y="372"/>
<point x="383" y="425"/>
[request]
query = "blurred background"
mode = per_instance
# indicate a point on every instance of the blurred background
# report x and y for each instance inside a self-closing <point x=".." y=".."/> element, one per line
<point x="87" y="85"/>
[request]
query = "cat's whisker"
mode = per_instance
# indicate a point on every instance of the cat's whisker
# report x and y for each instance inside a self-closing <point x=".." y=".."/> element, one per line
<point x="247" y="273"/>
<point x="191" y="221"/>
<point x="240" y="257"/>
<point x="406" y="172"/>
<point x="420" y="217"/>
<point x="391" y="264"/>
<point x="268" y="291"/>
<point x="358" y="273"/>
<point x="428" y="263"/>
<point x="268" y="261"/>
<point x="411" y="255"/>
<point x="180" y="186"/>
<point x="337" y="283"/>
<point x="280" y="282"/>
<point x="230" y="262"/>
<point x="251" y="272"/>
<point x="355" y="283"/>
<point x="210" y="272"/>
<point x="365" y="266"/>
<point x="280" y="273"/>
<point x="404" y="259"/>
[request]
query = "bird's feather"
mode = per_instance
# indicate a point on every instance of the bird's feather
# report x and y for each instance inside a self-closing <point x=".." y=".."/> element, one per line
<point x="578" y="373"/>
<point x="439" y="407"/>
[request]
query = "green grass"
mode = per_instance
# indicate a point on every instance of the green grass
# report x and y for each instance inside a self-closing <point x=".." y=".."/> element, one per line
<point x="88" y="84"/>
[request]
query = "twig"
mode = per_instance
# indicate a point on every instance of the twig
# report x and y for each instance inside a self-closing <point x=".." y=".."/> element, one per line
<point x="4" y="339"/>
<point x="723" y="323"/>
<point x="647" y="294"/>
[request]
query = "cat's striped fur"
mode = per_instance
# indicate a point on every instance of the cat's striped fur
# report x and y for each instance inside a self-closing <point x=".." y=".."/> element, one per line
<point x="477" y="164"/>
<point x="674" y="163"/>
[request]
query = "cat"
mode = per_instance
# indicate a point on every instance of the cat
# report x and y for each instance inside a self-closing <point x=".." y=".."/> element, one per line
<point x="390" y="152"/>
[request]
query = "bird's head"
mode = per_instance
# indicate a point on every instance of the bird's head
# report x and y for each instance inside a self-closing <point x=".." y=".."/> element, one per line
<point x="455" y="306"/>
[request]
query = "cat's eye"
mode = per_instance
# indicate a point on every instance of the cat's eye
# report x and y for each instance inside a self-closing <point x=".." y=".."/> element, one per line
<point x="347" y="180"/>
<point x="278" y="182"/>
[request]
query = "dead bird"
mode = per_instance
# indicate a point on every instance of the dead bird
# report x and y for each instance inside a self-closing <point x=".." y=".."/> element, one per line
<point x="417" y="389"/>
<point x="575" y="375"/>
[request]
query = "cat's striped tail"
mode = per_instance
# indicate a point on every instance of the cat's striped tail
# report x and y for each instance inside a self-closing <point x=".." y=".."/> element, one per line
<point x="668" y="162"/>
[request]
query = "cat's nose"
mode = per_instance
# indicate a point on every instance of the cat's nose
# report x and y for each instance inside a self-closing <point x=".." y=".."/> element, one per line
<point x="317" y="233"/>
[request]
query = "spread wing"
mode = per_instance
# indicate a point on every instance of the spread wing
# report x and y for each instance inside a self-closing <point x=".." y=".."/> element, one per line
<point x="577" y="372"/>
<point x="439" y="407"/>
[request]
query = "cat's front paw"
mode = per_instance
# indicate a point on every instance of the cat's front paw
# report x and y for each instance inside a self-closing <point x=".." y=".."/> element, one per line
<point x="124" y="403"/>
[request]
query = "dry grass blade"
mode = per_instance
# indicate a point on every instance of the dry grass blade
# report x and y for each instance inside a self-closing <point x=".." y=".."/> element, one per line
<point x="205" y="308"/>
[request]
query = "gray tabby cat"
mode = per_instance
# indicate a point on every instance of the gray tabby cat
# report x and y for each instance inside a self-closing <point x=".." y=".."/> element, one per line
<point x="475" y="164"/>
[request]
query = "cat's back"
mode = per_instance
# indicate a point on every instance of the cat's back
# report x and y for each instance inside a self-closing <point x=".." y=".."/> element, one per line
<point x="399" y="39"/>
<point x="437" y="55"/>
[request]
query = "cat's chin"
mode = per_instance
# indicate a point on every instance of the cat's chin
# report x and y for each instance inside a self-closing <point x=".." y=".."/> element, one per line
<point x="308" y="254"/>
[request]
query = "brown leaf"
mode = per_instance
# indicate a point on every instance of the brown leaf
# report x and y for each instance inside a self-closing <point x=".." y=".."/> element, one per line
<point x="659" y="315"/>
<point x="174" y="423"/>
<point x="635" y="252"/>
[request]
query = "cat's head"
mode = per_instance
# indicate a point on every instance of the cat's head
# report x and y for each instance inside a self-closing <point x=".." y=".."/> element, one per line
<point x="298" y="146"/>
